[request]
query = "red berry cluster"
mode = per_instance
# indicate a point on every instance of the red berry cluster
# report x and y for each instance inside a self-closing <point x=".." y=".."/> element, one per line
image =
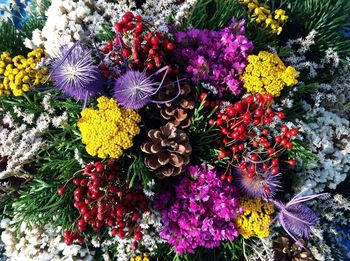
<point x="248" y="140"/>
<point x="103" y="199"/>
<point x="147" y="49"/>
<point x="70" y="237"/>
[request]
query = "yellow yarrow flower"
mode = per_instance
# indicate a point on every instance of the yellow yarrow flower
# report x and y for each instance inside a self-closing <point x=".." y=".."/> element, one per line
<point x="267" y="74"/>
<point x="142" y="257"/>
<point x="20" y="74"/>
<point x="255" y="219"/>
<point x="109" y="130"/>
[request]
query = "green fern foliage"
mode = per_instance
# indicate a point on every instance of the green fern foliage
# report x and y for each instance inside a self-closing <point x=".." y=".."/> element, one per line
<point x="10" y="39"/>
<point x="329" y="18"/>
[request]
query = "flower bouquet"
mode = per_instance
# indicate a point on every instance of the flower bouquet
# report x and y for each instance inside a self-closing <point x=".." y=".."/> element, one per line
<point x="174" y="130"/>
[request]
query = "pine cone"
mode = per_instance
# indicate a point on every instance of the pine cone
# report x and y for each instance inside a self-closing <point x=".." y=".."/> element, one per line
<point x="288" y="250"/>
<point x="179" y="112"/>
<point x="168" y="152"/>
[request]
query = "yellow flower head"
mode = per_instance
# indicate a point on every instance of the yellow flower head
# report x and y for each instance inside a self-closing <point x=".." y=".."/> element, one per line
<point x="262" y="14"/>
<point x="20" y="74"/>
<point x="142" y="257"/>
<point x="255" y="219"/>
<point x="109" y="130"/>
<point x="267" y="74"/>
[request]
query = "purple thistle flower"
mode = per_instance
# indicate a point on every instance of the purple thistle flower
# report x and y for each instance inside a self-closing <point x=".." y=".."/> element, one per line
<point x="263" y="185"/>
<point x="75" y="73"/>
<point x="296" y="218"/>
<point x="134" y="89"/>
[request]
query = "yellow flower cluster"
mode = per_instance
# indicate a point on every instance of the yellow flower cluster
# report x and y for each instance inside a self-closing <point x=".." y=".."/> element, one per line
<point x="20" y="74"/>
<point x="255" y="218"/>
<point x="263" y="15"/>
<point x="267" y="74"/>
<point x="142" y="257"/>
<point x="108" y="130"/>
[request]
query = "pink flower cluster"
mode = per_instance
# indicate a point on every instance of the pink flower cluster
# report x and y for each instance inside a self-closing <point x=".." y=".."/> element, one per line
<point x="198" y="211"/>
<point x="216" y="57"/>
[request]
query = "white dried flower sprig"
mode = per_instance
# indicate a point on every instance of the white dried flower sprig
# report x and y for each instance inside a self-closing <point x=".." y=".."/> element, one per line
<point x="326" y="241"/>
<point x="330" y="139"/>
<point x="20" y="141"/>
<point x="299" y="61"/>
<point x="40" y="243"/>
<point x="151" y="226"/>
<point x="70" y="21"/>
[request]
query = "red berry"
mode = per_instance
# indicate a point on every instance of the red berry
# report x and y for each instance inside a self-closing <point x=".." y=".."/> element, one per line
<point x="170" y="46"/>
<point x="84" y="209"/>
<point x="289" y="145"/>
<point x="120" y="233"/>
<point x="274" y="162"/>
<point x="126" y="52"/>
<point x="67" y="233"/>
<point x="250" y="175"/>
<point x="139" y="27"/>
<point x="76" y="182"/>
<point x="221" y="155"/>
<point x="274" y="170"/>
<point x="138" y="236"/>
<point x="154" y="41"/>
<point x="265" y="131"/>
<point x="229" y="178"/>
<point x="246" y="116"/>
<point x="238" y="106"/>
<point x="267" y="190"/>
<point x="203" y="96"/>
<point x="258" y="113"/>
<point x="118" y="27"/>
<point x="281" y="115"/>
<point x="114" y="231"/>
<point x="270" y="151"/>
<point x="241" y="147"/>
<point x="211" y="122"/>
<point x="135" y="216"/>
<point x="292" y="163"/>
<point x="284" y="142"/>
<point x="249" y="99"/>
<point x="294" y="132"/>
<point x="268" y="97"/>
<point x="219" y="122"/>
<point x="223" y="177"/>
<point x="278" y="139"/>
<point x="61" y="191"/>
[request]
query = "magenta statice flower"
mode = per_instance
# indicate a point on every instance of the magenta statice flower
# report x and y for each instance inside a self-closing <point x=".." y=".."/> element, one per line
<point x="198" y="211"/>
<point x="263" y="185"/>
<point x="296" y="218"/>
<point x="216" y="57"/>
<point x="75" y="73"/>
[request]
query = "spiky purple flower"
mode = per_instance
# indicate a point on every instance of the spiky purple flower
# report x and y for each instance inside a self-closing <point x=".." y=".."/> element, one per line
<point x="296" y="218"/>
<point x="75" y="73"/>
<point x="134" y="89"/>
<point x="263" y="185"/>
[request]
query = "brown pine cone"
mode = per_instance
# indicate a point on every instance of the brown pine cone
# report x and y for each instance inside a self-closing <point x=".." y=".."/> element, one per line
<point x="168" y="152"/>
<point x="180" y="111"/>
<point x="288" y="250"/>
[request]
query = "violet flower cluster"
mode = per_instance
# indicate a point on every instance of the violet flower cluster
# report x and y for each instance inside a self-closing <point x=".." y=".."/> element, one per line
<point x="216" y="57"/>
<point x="198" y="211"/>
